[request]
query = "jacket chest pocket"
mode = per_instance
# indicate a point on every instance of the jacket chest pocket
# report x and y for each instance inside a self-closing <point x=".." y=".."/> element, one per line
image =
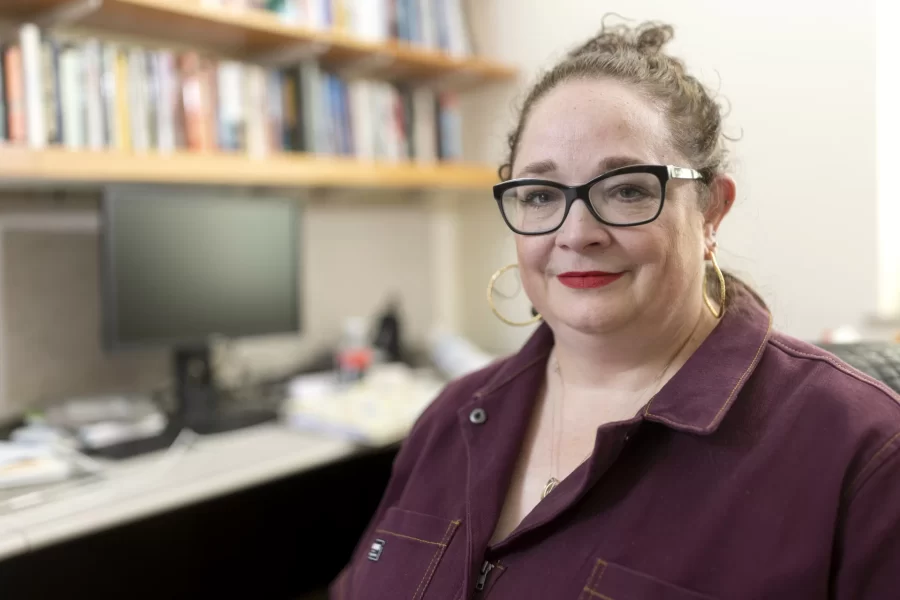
<point x="402" y="555"/>
<point x="612" y="582"/>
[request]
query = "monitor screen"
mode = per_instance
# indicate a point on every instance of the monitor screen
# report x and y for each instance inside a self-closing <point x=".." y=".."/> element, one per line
<point x="179" y="268"/>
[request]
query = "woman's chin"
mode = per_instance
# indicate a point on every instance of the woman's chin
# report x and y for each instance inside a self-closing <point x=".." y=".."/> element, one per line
<point x="594" y="318"/>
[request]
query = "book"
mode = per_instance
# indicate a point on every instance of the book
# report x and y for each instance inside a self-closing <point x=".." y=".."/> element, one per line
<point x="138" y="93"/>
<point x="256" y="112"/>
<point x="33" y="84"/>
<point x="231" y="103"/>
<point x="15" y="94"/>
<point x="192" y="102"/>
<point x="167" y="99"/>
<point x="51" y="92"/>
<point x="71" y="97"/>
<point x="109" y="57"/>
<point x="94" y="94"/>
<point x="122" y="100"/>
<point x="3" y="112"/>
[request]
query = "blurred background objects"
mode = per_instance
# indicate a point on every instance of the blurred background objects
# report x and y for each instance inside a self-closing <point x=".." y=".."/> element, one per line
<point x="244" y="243"/>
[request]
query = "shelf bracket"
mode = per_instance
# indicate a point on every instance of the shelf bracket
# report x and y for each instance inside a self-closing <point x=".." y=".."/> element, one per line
<point x="67" y="13"/>
<point x="294" y="53"/>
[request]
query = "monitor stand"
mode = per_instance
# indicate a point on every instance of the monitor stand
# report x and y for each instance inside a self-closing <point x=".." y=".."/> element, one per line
<point x="200" y="406"/>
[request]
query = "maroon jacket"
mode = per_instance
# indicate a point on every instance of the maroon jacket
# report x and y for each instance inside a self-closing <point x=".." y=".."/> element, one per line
<point x="764" y="469"/>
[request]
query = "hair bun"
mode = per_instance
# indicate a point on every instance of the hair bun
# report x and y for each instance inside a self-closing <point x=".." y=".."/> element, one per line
<point x="651" y="37"/>
<point x="648" y="38"/>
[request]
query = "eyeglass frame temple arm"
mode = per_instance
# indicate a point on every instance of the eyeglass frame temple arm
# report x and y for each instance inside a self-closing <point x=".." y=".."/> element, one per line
<point x="683" y="173"/>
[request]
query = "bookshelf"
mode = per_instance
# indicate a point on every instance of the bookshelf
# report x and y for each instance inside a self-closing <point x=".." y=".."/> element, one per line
<point x="248" y="39"/>
<point x="257" y="34"/>
<point x="52" y="166"/>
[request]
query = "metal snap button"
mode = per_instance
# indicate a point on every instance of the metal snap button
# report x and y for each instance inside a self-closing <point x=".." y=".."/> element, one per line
<point x="478" y="416"/>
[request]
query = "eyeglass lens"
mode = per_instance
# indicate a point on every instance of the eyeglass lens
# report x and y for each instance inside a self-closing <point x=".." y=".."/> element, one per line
<point x="619" y="200"/>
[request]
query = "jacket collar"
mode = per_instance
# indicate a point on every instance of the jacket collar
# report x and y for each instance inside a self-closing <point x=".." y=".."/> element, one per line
<point x="697" y="398"/>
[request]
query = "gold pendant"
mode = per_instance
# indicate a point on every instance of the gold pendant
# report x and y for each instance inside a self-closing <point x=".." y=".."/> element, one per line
<point x="551" y="485"/>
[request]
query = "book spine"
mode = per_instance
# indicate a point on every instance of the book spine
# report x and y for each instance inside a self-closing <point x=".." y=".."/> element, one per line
<point x="424" y="125"/>
<point x="137" y="91"/>
<point x="275" y="117"/>
<point x="459" y="42"/>
<point x="15" y="95"/>
<point x="166" y="101"/>
<point x="151" y="85"/>
<point x="93" y="94"/>
<point x="449" y="128"/>
<point x="30" y="40"/>
<point x="346" y="117"/>
<point x="51" y="95"/>
<point x="407" y="112"/>
<point x="210" y="95"/>
<point x="331" y="103"/>
<point x="71" y="93"/>
<point x="414" y="24"/>
<point x="195" y="129"/>
<point x="401" y="14"/>
<point x="256" y="110"/>
<point x="123" y="100"/>
<point x="4" y="134"/>
<point x="313" y="121"/>
<point x="339" y="10"/>
<point x="232" y="103"/>
<point x="391" y="9"/>
<point x="292" y="110"/>
<point x="363" y="122"/>
<point x="429" y="23"/>
<point x="108" y="88"/>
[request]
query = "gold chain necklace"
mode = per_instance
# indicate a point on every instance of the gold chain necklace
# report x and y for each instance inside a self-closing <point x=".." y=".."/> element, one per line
<point x="553" y="481"/>
<point x="554" y="444"/>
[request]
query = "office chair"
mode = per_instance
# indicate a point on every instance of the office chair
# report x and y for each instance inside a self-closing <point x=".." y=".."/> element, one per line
<point x="880" y="360"/>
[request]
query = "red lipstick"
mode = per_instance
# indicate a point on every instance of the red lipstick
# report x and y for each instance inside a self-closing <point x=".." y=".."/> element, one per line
<point x="583" y="280"/>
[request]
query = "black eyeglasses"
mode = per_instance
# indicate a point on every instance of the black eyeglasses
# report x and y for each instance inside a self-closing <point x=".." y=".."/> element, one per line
<point x="625" y="197"/>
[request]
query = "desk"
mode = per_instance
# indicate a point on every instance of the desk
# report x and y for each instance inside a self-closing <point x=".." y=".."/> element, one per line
<point x="263" y="512"/>
<point x="143" y="486"/>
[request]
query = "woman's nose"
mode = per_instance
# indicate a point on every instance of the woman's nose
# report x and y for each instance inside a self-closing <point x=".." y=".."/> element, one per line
<point x="581" y="230"/>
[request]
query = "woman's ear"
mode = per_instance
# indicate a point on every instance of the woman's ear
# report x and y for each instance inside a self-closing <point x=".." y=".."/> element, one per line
<point x="722" y="192"/>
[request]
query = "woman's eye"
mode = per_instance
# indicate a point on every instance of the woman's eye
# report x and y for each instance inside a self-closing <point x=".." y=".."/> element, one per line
<point x="629" y="193"/>
<point x="537" y="198"/>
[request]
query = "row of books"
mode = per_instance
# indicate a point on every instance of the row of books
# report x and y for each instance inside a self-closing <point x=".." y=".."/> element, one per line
<point x="438" y="24"/>
<point x="90" y="94"/>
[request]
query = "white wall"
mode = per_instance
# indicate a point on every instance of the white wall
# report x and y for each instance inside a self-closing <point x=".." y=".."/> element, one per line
<point x="800" y="77"/>
<point x="887" y="96"/>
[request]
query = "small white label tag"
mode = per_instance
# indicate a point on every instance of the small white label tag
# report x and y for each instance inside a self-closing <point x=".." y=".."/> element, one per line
<point x="376" y="549"/>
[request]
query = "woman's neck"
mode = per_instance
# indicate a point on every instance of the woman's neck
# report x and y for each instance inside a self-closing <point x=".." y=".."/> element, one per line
<point x="633" y="359"/>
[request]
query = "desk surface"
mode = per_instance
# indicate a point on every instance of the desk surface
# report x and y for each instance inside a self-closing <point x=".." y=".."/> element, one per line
<point x="129" y="490"/>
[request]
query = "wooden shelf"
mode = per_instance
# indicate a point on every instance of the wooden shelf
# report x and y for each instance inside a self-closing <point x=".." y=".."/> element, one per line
<point x="60" y="166"/>
<point x="256" y="34"/>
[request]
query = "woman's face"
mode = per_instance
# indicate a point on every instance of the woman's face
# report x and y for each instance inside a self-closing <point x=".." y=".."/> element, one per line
<point x="573" y="134"/>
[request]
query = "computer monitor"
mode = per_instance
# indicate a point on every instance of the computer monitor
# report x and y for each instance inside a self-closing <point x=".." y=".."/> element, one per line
<point x="181" y="267"/>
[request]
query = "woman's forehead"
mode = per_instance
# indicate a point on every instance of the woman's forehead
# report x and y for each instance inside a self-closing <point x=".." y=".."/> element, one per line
<point x="589" y="121"/>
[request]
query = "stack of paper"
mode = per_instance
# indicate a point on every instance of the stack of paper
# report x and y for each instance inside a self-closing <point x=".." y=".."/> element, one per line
<point x="377" y="411"/>
<point x="22" y="465"/>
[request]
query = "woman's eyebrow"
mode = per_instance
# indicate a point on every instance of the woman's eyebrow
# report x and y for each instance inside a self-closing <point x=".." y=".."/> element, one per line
<point x="542" y="167"/>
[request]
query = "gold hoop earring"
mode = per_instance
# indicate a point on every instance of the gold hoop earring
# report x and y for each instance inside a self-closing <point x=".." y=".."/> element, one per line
<point x="490" y="299"/>
<point x="721" y="277"/>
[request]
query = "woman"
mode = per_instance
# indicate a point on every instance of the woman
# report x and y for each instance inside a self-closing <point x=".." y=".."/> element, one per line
<point x="654" y="439"/>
